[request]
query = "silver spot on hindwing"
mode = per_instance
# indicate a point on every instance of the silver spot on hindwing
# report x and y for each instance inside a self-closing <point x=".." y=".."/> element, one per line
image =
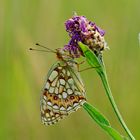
<point x="53" y="75"/>
<point x="64" y="95"/>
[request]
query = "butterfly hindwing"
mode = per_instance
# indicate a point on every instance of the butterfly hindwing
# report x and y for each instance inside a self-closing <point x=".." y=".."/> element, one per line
<point x="63" y="93"/>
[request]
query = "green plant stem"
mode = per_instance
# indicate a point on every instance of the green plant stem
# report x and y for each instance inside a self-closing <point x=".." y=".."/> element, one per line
<point x="104" y="79"/>
<point x="98" y="64"/>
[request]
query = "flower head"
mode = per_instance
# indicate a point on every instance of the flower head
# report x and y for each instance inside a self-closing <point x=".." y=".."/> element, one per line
<point x="85" y="31"/>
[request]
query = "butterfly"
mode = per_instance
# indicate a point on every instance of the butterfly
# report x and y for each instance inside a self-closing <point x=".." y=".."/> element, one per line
<point x="64" y="90"/>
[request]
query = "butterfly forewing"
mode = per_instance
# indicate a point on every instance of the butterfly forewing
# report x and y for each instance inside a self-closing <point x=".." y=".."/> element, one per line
<point x="63" y="93"/>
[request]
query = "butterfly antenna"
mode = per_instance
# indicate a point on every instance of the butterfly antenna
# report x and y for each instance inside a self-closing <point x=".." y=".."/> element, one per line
<point x="49" y="50"/>
<point x="32" y="49"/>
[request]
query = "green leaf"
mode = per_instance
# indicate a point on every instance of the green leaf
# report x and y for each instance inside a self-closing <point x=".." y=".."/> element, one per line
<point x="91" y="57"/>
<point x="96" y="114"/>
<point x="102" y="121"/>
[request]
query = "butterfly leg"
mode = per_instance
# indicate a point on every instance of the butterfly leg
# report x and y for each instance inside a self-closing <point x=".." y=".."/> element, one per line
<point x="78" y="66"/>
<point x="87" y="69"/>
<point x="81" y="62"/>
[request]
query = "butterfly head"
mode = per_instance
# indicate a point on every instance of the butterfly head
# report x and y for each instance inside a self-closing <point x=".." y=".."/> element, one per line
<point x="62" y="54"/>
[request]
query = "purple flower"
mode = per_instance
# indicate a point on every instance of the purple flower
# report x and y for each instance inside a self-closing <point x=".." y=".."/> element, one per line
<point x="81" y="29"/>
<point x="102" y="32"/>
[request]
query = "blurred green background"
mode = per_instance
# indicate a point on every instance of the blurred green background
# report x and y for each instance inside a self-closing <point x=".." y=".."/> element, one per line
<point x="22" y="72"/>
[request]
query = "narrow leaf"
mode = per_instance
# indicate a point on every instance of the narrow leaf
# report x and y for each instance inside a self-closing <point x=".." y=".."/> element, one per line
<point x="91" y="58"/>
<point x="102" y="121"/>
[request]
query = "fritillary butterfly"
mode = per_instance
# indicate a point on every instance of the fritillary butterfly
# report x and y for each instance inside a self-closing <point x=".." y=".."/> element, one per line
<point x="64" y="91"/>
